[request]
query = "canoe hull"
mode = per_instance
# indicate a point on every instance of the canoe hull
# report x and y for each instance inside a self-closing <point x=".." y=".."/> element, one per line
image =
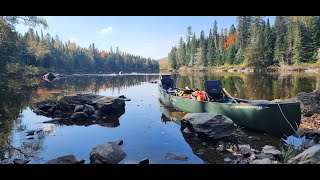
<point x="262" y="117"/>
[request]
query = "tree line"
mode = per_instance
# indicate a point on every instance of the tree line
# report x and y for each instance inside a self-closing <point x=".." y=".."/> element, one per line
<point x="253" y="42"/>
<point x="34" y="49"/>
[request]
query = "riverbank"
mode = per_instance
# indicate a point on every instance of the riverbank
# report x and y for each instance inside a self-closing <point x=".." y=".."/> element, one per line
<point x="302" y="67"/>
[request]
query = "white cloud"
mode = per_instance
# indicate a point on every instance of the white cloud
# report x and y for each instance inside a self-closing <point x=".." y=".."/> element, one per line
<point x="170" y="42"/>
<point x="107" y="30"/>
<point x="74" y="39"/>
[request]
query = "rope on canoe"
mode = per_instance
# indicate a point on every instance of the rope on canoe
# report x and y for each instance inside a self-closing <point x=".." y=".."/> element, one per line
<point x="287" y="120"/>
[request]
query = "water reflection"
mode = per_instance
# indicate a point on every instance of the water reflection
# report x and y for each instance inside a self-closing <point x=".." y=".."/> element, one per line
<point x="141" y="129"/>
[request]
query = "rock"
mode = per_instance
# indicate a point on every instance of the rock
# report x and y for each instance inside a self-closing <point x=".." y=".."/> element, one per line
<point x="201" y="151"/>
<point x="186" y="130"/>
<point x="49" y="76"/>
<point x="270" y="150"/>
<point x="209" y="125"/>
<point x="88" y="109"/>
<point x="221" y="148"/>
<point x="245" y="149"/>
<point x="261" y="161"/>
<point x="57" y="113"/>
<point x="107" y="153"/>
<point x="30" y="132"/>
<point x="312" y="134"/>
<point x="95" y="115"/>
<point x="78" y="108"/>
<point x="79" y="116"/>
<point x="309" y="102"/>
<point x="7" y="161"/>
<point x="109" y="105"/>
<point x="256" y="151"/>
<point x="309" y="156"/>
<point x="43" y="106"/>
<point x="263" y="156"/>
<point x="144" y="161"/>
<point x="254" y="138"/>
<point x="176" y="156"/>
<point x="69" y="159"/>
<point x="119" y="142"/>
<point x="227" y="160"/>
<point x="21" y="161"/>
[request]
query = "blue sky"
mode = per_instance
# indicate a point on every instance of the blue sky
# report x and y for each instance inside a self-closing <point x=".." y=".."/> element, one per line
<point x="148" y="36"/>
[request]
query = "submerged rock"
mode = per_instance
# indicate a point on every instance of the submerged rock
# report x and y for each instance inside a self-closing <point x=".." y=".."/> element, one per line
<point x="309" y="156"/>
<point x="176" y="156"/>
<point x="7" y="161"/>
<point x="144" y="161"/>
<point x="209" y="125"/>
<point x="107" y="153"/>
<point x="21" y="161"/>
<point x="118" y="142"/>
<point x="227" y="160"/>
<point x="69" y="159"/>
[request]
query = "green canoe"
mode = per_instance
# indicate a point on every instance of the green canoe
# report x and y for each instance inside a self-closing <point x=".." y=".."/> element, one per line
<point x="264" y="116"/>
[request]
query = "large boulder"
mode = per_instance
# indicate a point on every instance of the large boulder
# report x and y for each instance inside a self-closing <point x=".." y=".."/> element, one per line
<point x="109" y="105"/>
<point x="69" y="159"/>
<point x="209" y="125"/>
<point x="107" y="153"/>
<point x="83" y="109"/>
<point x="309" y="156"/>
<point x="309" y="102"/>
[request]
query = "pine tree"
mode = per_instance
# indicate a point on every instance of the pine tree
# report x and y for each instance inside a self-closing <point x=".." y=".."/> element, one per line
<point x="280" y="31"/>
<point x="297" y="48"/>
<point x="215" y="35"/>
<point x="210" y="50"/>
<point x="232" y="29"/>
<point x="243" y="31"/>
<point x="181" y="53"/>
<point x="193" y="49"/>
<point x="188" y="45"/>
<point x="268" y="44"/>
<point x="203" y="49"/>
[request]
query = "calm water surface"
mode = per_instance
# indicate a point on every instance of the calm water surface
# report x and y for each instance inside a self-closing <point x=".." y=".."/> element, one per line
<point x="145" y="127"/>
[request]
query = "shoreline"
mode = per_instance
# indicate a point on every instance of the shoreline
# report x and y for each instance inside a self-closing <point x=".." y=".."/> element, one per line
<point x="304" y="67"/>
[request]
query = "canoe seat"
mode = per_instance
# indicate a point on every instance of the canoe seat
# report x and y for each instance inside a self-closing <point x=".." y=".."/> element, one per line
<point x="214" y="90"/>
<point x="167" y="83"/>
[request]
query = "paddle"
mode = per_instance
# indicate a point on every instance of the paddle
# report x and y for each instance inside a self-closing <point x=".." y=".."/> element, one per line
<point x="225" y="91"/>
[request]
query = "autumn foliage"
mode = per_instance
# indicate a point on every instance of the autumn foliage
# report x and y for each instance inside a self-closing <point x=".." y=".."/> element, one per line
<point x="103" y="54"/>
<point x="229" y="41"/>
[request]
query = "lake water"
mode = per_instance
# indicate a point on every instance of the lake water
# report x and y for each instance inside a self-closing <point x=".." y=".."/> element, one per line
<point x="145" y="127"/>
